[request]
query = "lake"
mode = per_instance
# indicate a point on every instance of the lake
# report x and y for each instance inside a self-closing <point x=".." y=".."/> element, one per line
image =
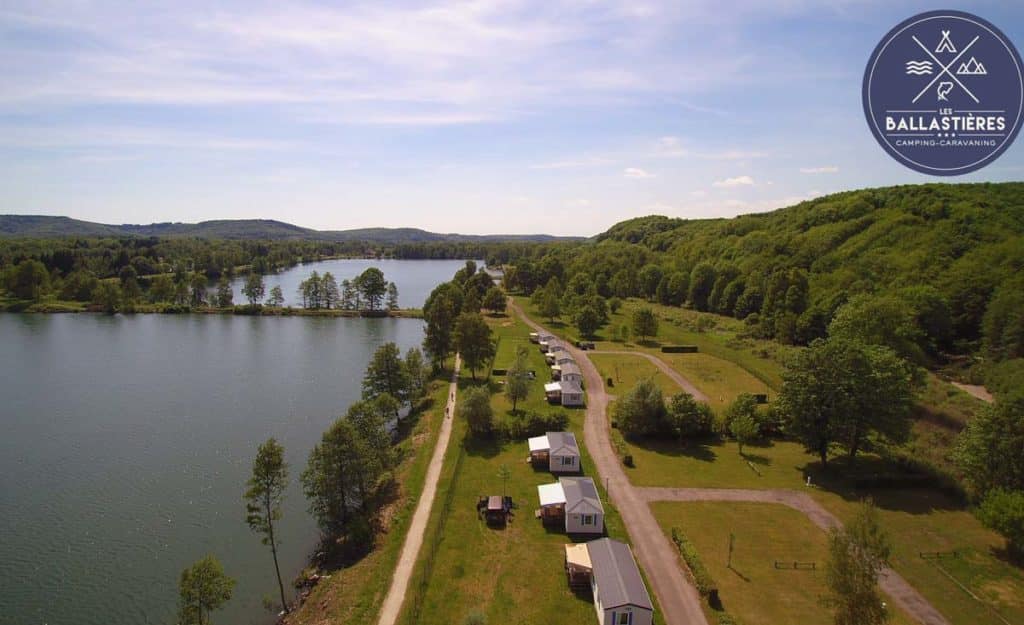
<point x="414" y="279"/>
<point x="127" y="440"/>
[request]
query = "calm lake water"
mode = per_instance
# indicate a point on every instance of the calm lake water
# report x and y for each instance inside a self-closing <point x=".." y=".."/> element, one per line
<point x="414" y="279"/>
<point x="126" y="441"/>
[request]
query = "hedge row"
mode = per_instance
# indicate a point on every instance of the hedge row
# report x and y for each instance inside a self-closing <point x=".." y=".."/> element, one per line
<point x="702" y="579"/>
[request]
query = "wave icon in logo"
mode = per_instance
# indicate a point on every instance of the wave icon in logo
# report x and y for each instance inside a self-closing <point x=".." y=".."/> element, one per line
<point x="919" y="68"/>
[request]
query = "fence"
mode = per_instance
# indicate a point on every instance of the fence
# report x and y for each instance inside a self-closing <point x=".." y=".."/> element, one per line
<point x="795" y="566"/>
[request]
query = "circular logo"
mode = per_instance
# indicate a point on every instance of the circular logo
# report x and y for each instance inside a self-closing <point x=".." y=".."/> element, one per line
<point x="944" y="93"/>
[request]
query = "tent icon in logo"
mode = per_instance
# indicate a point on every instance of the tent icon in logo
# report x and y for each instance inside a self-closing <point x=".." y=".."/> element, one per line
<point x="946" y="45"/>
<point x="972" y="68"/>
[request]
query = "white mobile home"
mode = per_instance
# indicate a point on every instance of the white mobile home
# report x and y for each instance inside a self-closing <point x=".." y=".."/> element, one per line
<point x="558" y="449"/>
<point x="572" y="502"/>
<point x="570" y="372"/>
<point x="620" y="596"/>
<point x="564" y="392"/>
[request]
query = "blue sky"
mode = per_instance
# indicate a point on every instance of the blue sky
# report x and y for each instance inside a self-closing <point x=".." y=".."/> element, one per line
<point x="475" y="117"/>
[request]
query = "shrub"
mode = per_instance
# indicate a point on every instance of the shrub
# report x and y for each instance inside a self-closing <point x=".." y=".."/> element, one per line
<point x="701" y="577"/>
<point x="534" y="424"/>
<point x="1003" y="511"/>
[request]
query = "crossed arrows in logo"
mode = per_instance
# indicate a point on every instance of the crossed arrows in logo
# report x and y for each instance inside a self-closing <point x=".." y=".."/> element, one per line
<point x="945" y="69"/>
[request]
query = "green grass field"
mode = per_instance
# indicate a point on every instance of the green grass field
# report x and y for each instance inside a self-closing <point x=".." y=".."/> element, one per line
<point x="752" y="589"/>
<point x="626" y="370"/>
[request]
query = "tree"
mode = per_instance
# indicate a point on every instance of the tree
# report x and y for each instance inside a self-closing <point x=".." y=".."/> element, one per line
<point x="107" y="296"/>
<point x="587" y="320"/>
<point x="392" y="296"/>
<point x="329" y="291"/>
<point x="263" y="499"/>
<point x="689" y="417"/>
<point x="253" y="289"/>
<point x="161" y="288"/>
<point x="225" y="295"/>
<point x="416" y="371"/>
<point x="276" y="297"/>
<point x="744" y="429"/>
<point x="839" y="392"/>
<point x="857" y="555"/>
<point x="28" y="280"/>
<point x="641" y="411"/>
<point x="547" y="301"/>
<point x="990" y="450"/>
<point x="202" y="588"/>
<point x="476" y="409"/>
<point x="341" y="478"/>
<point x="702" y="281"/>
<point x="745" y="405"/>
<point x="1003" y="511"/>
<point x="311" y="291"/>
<point x="517" y="381"/>
<point x="372" y="286"/>
<point x="645" y="323"/>
<point x="197" y="285"/>
<point x="494" y="300"/>
<point x="880" y="320"/>
<point x="349" y="296"/>
<point x="386" y="374"/>
<point x="440" y="311"/>
<point x="473" y="341"/>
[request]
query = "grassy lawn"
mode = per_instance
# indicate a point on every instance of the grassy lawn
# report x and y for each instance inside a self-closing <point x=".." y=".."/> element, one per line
<point x="627" y="370"/>
<point x="753" y="590"/>
<point x="513" y="574"/>
<point x="719" y="379"/>
<point x="354" y="594"/>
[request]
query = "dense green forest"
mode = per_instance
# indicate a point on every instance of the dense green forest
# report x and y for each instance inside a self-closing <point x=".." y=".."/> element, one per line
<point x="932" y="270"/>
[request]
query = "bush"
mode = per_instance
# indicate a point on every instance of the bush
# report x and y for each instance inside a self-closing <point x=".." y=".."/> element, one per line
<point x="702" y="579"/>
<point x="1003" y="511"/>
<point x="534" y="424"/>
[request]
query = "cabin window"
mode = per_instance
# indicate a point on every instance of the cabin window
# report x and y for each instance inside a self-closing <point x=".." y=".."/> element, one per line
<point x="568" y="461"/>
<point x="587" y="519"/>
<point x="624" y="618"/>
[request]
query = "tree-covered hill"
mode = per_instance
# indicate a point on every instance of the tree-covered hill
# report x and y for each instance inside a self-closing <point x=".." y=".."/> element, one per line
<point x="941" y="255"/>
<point x="41" y="226"/>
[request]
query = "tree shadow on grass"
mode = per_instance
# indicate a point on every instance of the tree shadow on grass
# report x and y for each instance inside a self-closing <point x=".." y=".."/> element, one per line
<point x="890" y="486"/>
<point x="757" y="459"/>
<point x="482" y="447"/>
<point x="698" y="450"/>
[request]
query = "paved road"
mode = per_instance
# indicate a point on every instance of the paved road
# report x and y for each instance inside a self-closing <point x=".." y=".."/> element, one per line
<point x="902" y="593"/>
<point x="679" y="601"/>
<point x="667" y="370"/>
<point x="392" y="605"/>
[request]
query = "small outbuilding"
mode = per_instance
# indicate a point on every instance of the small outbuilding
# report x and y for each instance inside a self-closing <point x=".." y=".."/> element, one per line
<point x="559" y="450"/>
<point x="620" y="596"/>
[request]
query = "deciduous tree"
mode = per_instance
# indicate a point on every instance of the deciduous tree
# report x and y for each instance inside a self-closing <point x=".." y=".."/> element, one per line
<point x="645" y="323"/>
<point x="857" y="554"/>
<point x="263" y="498"/>
<point x="253" y="289"/>
<point x="473" y="341"/>
<point x="517" y="381"/>
<point x="476" y="410"/>
<point x="202" y="588"/>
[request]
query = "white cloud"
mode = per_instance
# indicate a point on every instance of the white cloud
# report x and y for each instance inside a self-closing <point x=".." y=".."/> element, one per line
<point x="830" y="169"/>
<point x="636" y="172"/>
<point x="577" y="203"/>
<point x="738" y="181"/>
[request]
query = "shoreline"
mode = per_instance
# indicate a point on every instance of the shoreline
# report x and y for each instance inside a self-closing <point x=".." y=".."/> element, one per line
<point x="54" y="308"/>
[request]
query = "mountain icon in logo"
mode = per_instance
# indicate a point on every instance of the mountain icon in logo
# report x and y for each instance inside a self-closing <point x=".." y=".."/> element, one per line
<point x="972" y="68"/>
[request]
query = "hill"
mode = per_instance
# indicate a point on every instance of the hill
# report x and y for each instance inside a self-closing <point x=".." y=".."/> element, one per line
<point x="40" y="226"/>
<point x="944" y="251"/>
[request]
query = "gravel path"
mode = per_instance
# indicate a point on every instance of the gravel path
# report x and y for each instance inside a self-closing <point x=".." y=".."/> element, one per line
<point x="679" y="601"/>
<point x="392" y="605"/>
<point x="902" y="593"/>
